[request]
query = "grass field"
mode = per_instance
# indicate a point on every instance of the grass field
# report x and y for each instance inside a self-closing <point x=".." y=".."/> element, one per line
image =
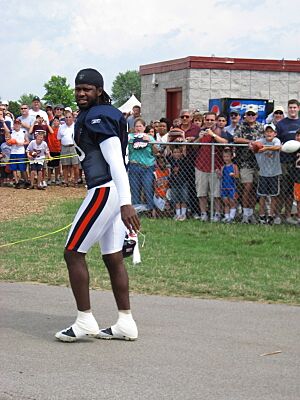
<point x="189" y="258"/>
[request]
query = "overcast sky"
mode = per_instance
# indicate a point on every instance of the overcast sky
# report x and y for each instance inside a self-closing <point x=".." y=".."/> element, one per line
<point x="59" y="37"/>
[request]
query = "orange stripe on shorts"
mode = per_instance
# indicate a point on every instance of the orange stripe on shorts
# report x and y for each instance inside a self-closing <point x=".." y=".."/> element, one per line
<point x="88" y="218"/>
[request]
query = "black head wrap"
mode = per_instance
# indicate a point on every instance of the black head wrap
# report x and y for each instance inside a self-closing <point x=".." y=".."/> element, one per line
<point x="89" y="76"/>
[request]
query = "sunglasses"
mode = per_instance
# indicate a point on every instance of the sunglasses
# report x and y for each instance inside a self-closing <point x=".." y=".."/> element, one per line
<point x="184" y="116"/>
<point x="250" y="114"/>
<point x="233" y="115"/>
<point x="24" y="108"/>
<point x="278" y="113"/>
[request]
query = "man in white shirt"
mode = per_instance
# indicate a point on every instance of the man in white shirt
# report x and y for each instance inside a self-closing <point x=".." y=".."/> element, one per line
<point x="36" y="109"/>
<point x="69" y="162"/>
<point x="235" y="120"/>
<point x="26" y="119"/>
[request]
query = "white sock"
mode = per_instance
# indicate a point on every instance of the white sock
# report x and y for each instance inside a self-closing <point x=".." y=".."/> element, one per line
<point x="85" y="323"/>
<point x="227" y="215"/>
<point x="246" y="212"/>
<point x="232" y="213"/>
<point x="183" y="211"/>
<point x="125" y="325"/>
<point x="124" y="315"/>
<point x="178" y="212"/>
<point x="250" y="212"/>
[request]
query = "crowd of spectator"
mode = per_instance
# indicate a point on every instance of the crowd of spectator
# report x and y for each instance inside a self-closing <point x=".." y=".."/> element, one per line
<point x="37" y="147"/>
<point x="200" y="165"/>
<point x="207" y="166"/>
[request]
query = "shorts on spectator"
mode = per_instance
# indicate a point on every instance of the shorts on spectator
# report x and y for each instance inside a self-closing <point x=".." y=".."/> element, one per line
<point x="268" y="185"/>
<point x="203" y="181"/>
<point x="286" y="179"/>
<point x="179" y="194"/>
<point x="36" y="167"/>
<point x="54" y="163"/>
<point x="19" y="166"/>
<point x="229" y="193"/>
<point x="247" y="175"/>
<point x="297" y="191"/>
<point x="69" y="151"/>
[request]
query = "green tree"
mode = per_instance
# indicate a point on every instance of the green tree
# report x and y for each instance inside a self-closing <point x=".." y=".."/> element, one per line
<point x="14" y="107"/>
<point x="124" y="85"/>
<point x="26" y="99"/>
<point x="59" y="92"/>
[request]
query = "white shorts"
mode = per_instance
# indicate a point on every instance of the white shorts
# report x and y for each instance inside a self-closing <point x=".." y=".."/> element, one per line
<point x="98" y="220"/>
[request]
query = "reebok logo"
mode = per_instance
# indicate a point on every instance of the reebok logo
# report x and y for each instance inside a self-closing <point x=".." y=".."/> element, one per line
<point x="96" y="121"/>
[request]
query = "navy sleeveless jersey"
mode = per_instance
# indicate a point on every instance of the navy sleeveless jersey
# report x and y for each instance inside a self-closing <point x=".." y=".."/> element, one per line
<point x="92" y="127"/>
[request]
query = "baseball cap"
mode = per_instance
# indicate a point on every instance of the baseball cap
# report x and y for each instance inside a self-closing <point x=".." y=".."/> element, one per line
<point x="5" y="102"/>
<point x="36" y="98"/>
<point x="267" y="126"/>
<point x="234" y="112"/>
<point x="251" y="108"/>
<point x="68" y="109"/>
<point x="59" y="106"/>
<point x="17" y="121"/>
<point x="278" y="108"/>
<point x="49" y="104"/>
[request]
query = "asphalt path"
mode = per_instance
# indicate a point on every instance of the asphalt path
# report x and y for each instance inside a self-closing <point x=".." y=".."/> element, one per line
<point x="187" y="349"/>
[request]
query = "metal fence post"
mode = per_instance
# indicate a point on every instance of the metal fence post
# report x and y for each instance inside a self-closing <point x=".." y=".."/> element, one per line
<point x="212" y="181"/>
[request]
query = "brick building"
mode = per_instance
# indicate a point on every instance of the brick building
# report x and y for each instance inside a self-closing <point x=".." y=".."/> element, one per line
<point x="190" y="82"/>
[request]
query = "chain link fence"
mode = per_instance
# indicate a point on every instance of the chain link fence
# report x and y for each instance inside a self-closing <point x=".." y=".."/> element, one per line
<point x="214" y="182"/>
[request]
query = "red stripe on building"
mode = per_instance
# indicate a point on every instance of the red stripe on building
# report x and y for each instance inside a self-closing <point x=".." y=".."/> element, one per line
<point x="228" y="63"/>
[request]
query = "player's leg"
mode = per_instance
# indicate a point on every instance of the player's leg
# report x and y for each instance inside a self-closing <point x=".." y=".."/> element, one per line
<point x="125" y="328"/>
<point x="88" y="226"/>
<point x="79" y="278"/>
<point x="119" y="279"/>
<point x="111" y="245"/>
<point x="85" y="324"/>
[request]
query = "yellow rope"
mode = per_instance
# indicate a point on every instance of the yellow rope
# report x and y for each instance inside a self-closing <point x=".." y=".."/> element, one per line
<point x="25" y="160"/>
<point x="35" y="238"/>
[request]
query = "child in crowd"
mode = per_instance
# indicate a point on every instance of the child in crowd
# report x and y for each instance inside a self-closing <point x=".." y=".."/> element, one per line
<point x="18" y="141"/>
<point x="55" y="149"/>
<point x="178" y="182"/>
<point x="229" y="173"/>
<point x="39" y="125"/>
<point x="161" y="184"/>
<point x="5" y="173"/>
<point x="37" y="150"/>
<point x="198" y="119"/>
<point x="268" y="160"/>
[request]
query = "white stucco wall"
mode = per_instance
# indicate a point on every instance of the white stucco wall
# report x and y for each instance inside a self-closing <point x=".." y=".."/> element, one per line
<point x="200" y="85"/>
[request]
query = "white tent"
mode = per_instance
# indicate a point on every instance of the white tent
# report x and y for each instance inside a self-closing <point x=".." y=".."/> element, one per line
<point x="127" y="107"/>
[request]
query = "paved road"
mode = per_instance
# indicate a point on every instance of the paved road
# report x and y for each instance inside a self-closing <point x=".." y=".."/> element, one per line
<point x="188" y="349"/>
